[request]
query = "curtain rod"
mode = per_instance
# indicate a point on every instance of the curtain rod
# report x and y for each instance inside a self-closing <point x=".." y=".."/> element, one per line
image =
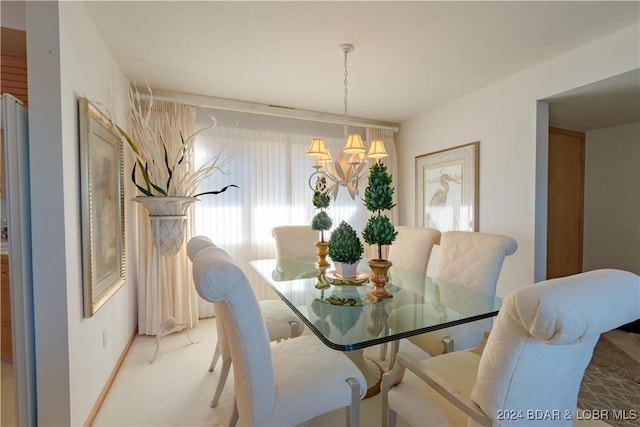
<point x="263" y="109"/>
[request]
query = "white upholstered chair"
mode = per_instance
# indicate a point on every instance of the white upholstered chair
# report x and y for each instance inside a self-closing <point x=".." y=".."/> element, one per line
<point x="275" y="385"/>
<point x="473" y="260"/>
<point x="295" y="241"/>
<point x="534" y="358"/>
<point x="410" y="254"/>
<point x="412" y="248"/>
<point x="281" y="322"/>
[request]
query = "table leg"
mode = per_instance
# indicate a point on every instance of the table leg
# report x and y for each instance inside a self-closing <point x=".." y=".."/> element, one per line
<point x="371" y="370"/>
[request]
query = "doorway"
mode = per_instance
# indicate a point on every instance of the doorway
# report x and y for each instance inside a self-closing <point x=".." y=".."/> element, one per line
<point x="16" y="369"/>
<point x="565" y="206"/>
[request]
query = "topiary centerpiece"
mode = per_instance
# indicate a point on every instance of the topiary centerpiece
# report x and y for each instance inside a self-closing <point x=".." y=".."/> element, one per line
<point x="345" y="249"/>
<point x="321" y="221"/>
<point x="378" y="197"/>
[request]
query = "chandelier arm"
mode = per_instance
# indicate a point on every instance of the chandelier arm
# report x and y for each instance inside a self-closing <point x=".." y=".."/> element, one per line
<point x="333" y="176"/>
<point x="356" y="173"/>
<point x="329" y="173"/>
<point x="316" y="173"/>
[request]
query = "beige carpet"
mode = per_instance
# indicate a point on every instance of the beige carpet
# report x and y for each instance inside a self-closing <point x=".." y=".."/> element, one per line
<point x="611" y="384"/>
<point x="176" y="389"/>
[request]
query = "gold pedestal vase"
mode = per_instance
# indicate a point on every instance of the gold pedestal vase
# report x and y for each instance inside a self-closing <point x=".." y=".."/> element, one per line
<point x="379" y="277"/>
<point x="322" y="254"/>
<point x="322" y="264"/>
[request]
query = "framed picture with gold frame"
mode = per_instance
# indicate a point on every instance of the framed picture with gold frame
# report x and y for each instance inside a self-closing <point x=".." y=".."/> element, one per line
<point x="447" y="188"/>
<point x="102" y="195"/>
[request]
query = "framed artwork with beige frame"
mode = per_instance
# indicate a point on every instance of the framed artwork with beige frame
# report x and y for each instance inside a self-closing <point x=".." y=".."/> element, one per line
<point x="447" y="188"/>
<point x="102" y="194"/>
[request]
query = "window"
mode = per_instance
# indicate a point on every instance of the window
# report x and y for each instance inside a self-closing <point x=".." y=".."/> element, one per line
<point x="272" y="170"/>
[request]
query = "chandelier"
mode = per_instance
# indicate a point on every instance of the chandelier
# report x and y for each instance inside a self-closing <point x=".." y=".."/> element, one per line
<point x="349" y="168"/>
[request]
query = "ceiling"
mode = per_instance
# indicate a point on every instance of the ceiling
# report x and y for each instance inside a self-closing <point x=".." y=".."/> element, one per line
<point x="409" y="56"/>
<point x="610" y="102"/>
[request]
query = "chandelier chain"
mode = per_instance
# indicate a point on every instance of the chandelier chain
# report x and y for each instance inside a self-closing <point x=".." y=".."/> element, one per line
<point x="346" y="92"/>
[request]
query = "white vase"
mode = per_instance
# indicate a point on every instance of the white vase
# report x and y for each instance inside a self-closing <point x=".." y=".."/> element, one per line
<point x="168" y="216"/>
<point x="346" y="271"/>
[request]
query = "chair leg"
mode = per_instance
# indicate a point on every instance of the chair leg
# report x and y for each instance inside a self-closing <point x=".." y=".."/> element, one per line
<point x="392" y="418"/>
<point x="391" y="378"/>
<point x="295" y="328"/>
<point x="447" y="344"/>
<point x="388" y="416"/>
<point x="234" y="415"/>
<point x="353" y="411"/>
<point x="385" y="414"/>
<point x="223" y="379"/>
<point x="383" y="347"/>
<point x="395" y="347"/>
<point x="383" y="351"/>
<point x="214" y="359"/>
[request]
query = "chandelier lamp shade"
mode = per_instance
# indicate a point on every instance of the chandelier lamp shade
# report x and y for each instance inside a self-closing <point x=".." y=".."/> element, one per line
<point x="349" y="168"/>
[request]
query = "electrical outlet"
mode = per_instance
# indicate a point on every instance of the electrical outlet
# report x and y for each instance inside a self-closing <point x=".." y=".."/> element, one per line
<point x="104" y="339"/>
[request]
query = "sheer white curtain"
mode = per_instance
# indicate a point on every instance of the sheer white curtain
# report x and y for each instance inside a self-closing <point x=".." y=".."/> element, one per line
<point x="272" y="170"/>
<point x="178" y="295"/>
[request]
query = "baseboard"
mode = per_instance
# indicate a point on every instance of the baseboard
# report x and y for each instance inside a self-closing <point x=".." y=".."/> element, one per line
<point x="105" y="390"/>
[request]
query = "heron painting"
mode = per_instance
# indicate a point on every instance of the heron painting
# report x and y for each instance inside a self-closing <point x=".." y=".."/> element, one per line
<point x="446" y="189"/>
<point x="443" y="196"/>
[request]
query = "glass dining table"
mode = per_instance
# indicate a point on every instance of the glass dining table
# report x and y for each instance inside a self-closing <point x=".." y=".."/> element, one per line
<point x="341" y="314"/>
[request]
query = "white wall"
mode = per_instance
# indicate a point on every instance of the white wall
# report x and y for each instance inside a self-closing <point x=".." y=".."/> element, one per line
<point x="67" y="58"/>
<point x="12" y="15"/>
<point x="612" y="199"/>
<point x="503" y="118"/>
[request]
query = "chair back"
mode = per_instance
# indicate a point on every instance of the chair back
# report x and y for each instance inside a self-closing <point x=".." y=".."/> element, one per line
<point x="543" y="340"/>
<point x="220" y="280"/>
<point x="295" y="241"/>
<point x="412" y="248"/>
<point x="410" y="254"/>
<point x="473" y="259"/>
<point x="196" y="244"/>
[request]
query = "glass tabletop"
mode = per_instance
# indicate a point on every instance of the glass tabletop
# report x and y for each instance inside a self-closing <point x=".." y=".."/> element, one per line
<point x="346" y="319"/>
